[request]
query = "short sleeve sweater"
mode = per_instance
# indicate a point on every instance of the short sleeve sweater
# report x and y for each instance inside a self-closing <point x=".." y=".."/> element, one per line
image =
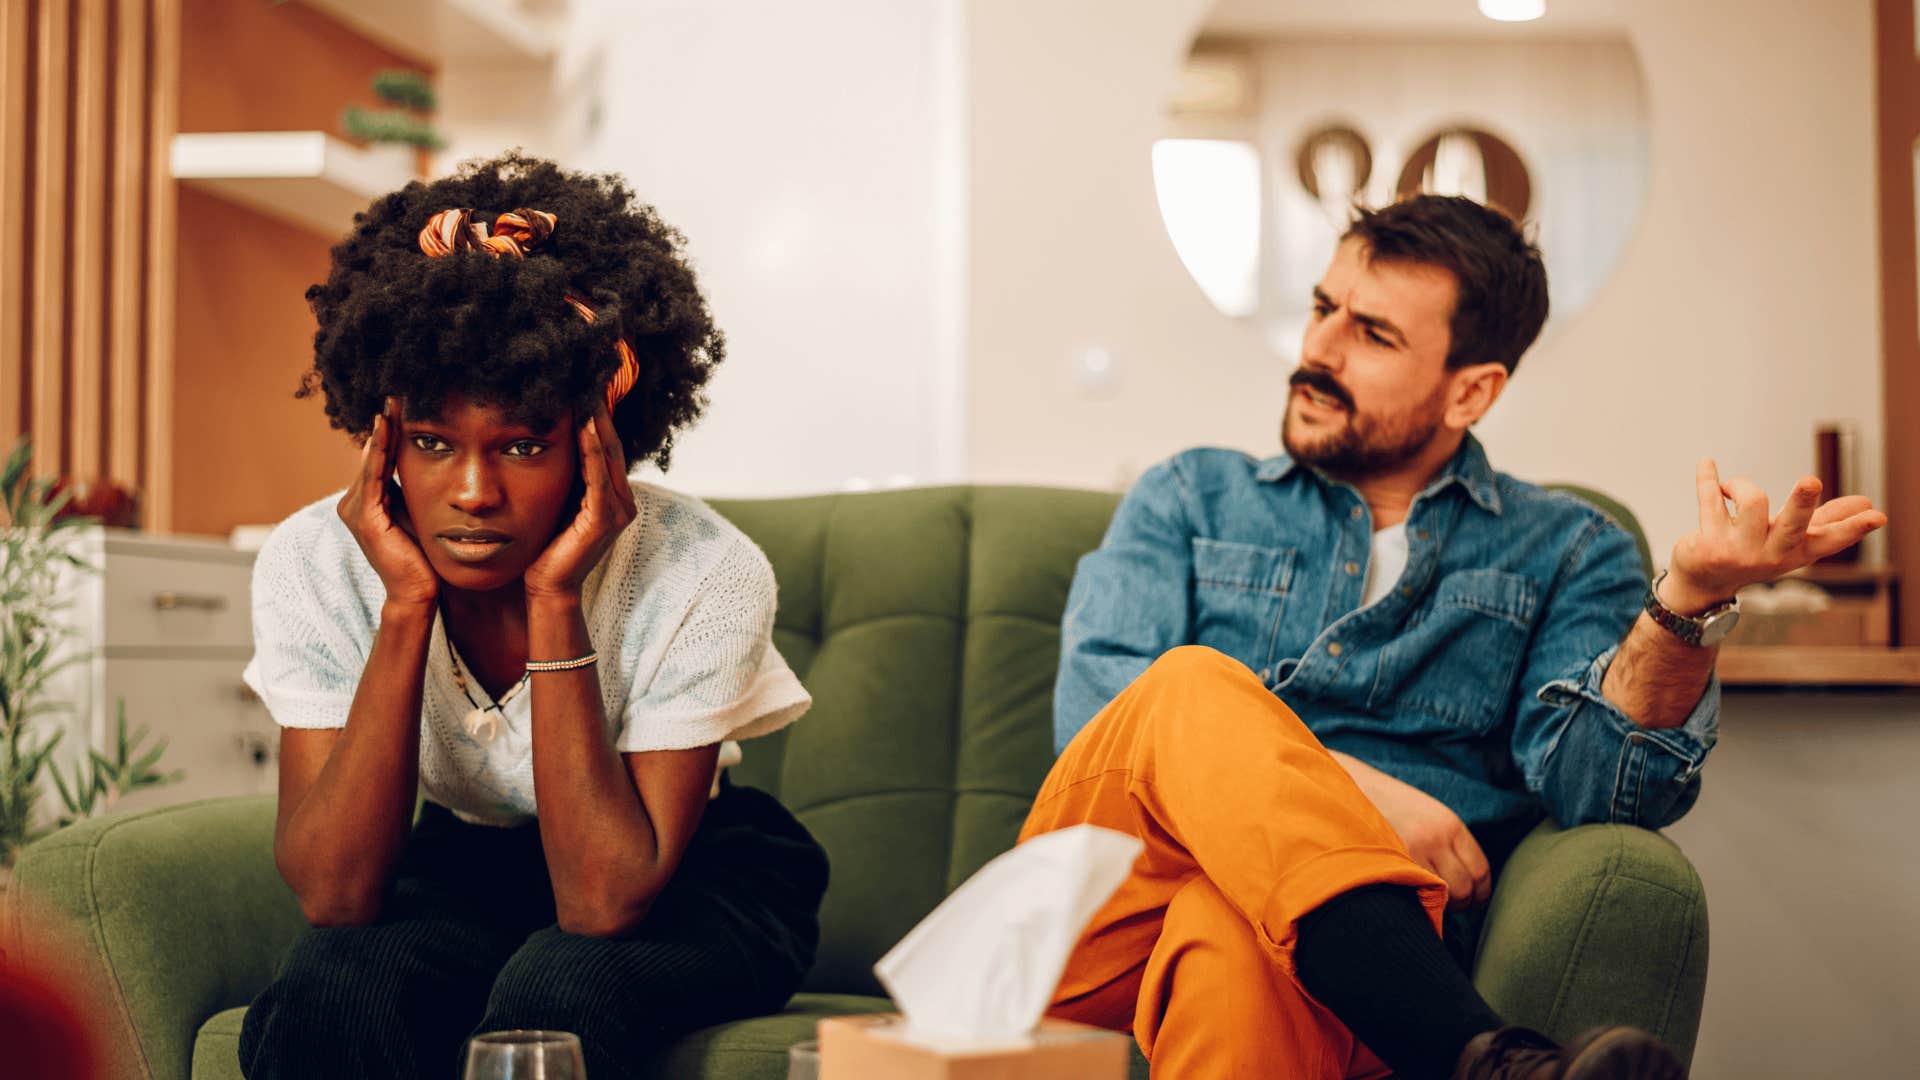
<point x="680" y="611"/>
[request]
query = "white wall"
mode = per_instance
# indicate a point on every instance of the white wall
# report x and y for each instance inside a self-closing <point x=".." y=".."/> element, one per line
<point x="1744" y="311"/>
<point x="1804" y="838"/>
<point x="1575" y="110"/>
<point x="812" y="155"/>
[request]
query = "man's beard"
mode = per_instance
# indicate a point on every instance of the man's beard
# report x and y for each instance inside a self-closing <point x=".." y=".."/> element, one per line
<point x="1366" y="445"/>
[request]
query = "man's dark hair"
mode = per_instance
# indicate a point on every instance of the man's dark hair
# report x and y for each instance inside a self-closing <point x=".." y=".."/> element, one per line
<point x="1502" y="283"/>
<point x="498" y="330"/>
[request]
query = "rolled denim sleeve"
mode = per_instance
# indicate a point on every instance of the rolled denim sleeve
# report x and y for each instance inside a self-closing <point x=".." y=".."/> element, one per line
<point x="1131" y="601"/>
<point x="1585" y="759"/>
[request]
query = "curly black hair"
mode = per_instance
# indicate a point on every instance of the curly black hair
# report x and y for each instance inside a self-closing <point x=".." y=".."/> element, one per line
<point x="497" y="330"/>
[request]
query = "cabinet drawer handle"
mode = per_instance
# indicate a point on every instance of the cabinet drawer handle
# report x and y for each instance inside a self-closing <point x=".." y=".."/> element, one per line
<point x="170" y="601"/>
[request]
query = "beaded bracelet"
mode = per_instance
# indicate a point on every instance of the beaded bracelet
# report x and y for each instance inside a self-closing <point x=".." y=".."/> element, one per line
<point x="563" y="665"/>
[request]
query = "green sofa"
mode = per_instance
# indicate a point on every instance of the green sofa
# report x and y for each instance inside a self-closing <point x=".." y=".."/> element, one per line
<point x="925" y="623"/>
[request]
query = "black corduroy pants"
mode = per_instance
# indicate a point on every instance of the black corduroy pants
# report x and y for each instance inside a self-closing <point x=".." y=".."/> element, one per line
<point x="467" y="943"/>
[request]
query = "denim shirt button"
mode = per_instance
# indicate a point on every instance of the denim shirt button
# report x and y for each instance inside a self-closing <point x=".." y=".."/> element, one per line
<point x="1352" y="568"/>
<point x="1334" y="649"/>
<point x="1420" y="534"/>
<point x="1357" y="513"/>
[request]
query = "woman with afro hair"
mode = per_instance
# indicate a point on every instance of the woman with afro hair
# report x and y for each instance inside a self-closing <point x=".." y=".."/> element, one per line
<point x="560" y="660"/>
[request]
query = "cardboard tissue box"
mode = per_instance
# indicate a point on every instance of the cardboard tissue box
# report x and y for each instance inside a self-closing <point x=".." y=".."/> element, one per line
<point x="879" y="1048"/>
<point x="974" y="978"/>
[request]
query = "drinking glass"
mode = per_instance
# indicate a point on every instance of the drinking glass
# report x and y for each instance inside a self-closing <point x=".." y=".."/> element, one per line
<point x="803" y="1061"/>
<point x="525" y="1055"/>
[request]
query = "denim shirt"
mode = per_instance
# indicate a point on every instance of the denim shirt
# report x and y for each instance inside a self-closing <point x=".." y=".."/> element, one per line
<point x="1476" y="678"/>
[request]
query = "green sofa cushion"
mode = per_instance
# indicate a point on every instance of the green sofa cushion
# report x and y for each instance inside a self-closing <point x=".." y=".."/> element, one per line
<point x="926" y="624"/>
<point x="1567" y="901"/>
<point x="216" y="1048"/>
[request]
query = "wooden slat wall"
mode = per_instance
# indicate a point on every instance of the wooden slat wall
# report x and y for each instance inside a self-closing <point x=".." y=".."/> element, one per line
<point x="16" y="37"/>
<point x="88" y="98"/>
<point x="1898" y="76"/>
<point x="163" y="79"/>
<point x="49" y="228"/>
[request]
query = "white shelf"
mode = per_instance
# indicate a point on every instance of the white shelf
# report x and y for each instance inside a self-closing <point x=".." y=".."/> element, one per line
<point x="440" y="30"/>
<point x="309" y="178"/>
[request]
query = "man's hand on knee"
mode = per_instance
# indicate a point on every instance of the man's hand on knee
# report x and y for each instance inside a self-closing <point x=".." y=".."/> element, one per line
<point x="1435" y="836"/>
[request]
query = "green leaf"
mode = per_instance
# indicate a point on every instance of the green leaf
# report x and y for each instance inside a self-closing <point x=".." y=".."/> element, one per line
<point x="51" y="507"/>
<point x="67" y="797"/>
<point x="149" y="759"/>
<point x="16" y="467"/>
<point x="46" y="708"/>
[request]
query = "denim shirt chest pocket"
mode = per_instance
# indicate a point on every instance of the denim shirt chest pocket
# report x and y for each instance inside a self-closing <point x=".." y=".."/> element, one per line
<point x="1239" y="595"/>
<point x="1459" y="653"/>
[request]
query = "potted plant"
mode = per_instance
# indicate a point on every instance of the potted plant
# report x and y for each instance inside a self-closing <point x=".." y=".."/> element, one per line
<point x="37" y="552"/>
<point x="404" y="127"/>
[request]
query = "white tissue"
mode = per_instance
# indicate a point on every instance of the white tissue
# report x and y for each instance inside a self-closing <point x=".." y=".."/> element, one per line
<point x="984" y="964"/>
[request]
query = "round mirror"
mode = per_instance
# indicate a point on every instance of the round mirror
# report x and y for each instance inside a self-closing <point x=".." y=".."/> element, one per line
<point x="1289" y="113"/>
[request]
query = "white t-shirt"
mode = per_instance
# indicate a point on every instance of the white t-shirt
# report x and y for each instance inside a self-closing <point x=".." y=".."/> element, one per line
<point x="1386" y="564"/>
<point x="680" y="611"/>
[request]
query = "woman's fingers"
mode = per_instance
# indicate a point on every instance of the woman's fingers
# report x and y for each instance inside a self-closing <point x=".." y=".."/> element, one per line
<point x="593" y="471"/>
<point x="358" y="490"/>
<point x="616" y="457"/>
<point x="391" y="448"/>
<point x="396" y="509"/>
<point x="372" y="454"/>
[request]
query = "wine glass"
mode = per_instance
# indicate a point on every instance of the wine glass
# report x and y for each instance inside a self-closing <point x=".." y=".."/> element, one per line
<point x="525" y="1055"/>
<point x="803" y="1061"/>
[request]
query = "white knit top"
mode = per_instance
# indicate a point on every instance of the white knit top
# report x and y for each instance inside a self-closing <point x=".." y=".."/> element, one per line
<point x="680" y="611"/>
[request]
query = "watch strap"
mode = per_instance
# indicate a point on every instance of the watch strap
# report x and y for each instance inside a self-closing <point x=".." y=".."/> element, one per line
<point x="1687" y="630"/>
<point x="1681" y="626"/>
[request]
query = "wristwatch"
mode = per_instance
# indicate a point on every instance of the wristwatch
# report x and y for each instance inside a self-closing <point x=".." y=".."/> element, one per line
<point x="1708" y="628"/>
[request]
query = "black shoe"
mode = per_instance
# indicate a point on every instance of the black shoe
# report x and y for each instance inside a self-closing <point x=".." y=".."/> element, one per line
<point x="1605" y="1053"/>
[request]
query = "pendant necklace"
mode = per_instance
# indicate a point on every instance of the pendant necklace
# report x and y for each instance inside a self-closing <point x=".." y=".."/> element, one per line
<point x="483" y="722"/>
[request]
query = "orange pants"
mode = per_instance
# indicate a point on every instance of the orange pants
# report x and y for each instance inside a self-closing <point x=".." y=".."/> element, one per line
<point x="1249" y="824"/>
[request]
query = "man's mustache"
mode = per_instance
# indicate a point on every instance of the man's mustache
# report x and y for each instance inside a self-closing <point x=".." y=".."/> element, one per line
<point x="1318" y="379"/>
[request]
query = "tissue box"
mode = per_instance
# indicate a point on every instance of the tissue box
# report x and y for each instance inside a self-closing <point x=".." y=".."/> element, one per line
<point x="873" y="1048"/>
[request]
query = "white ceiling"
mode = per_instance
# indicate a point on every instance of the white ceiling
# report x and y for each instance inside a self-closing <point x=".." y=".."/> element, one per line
<point x="1275" y="18"/>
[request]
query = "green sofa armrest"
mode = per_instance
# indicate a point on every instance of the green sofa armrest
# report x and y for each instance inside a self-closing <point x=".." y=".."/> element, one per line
<point x="1601" y="924"/>
<point x="182" y="913"/>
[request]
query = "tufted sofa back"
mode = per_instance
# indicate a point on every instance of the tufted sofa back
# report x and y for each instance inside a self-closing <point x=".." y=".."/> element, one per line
<point x="926" y="624"/>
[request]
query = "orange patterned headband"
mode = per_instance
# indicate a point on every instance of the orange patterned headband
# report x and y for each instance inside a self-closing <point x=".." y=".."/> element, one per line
<point x="516" y="233"/>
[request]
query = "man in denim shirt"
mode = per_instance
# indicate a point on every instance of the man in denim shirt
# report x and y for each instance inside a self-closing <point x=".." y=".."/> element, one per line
<point x="1407" y="661"/>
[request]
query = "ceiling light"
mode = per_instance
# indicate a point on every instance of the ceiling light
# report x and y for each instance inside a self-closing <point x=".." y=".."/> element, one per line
<point x="1513" y="10"/>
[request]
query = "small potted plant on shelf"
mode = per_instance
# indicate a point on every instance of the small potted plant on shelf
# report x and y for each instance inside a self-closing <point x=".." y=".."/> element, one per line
<point x="404" y="127"/>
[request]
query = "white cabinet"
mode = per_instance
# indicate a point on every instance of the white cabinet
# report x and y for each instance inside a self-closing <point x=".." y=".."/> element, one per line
<point x="167" y="623"/>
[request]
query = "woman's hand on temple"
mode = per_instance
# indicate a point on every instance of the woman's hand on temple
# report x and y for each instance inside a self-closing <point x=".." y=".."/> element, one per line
<point x="607" y="508"/>
<point x="376" y="515"/>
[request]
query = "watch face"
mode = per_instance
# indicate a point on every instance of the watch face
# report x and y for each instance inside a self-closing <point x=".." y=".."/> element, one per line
<point x="1717" y="626"/>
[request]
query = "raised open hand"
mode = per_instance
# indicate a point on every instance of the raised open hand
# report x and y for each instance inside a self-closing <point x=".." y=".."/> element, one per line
<point x="376" y="515"/>
<point x="607" y="507"/>
<point x="1733" y="550"/>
